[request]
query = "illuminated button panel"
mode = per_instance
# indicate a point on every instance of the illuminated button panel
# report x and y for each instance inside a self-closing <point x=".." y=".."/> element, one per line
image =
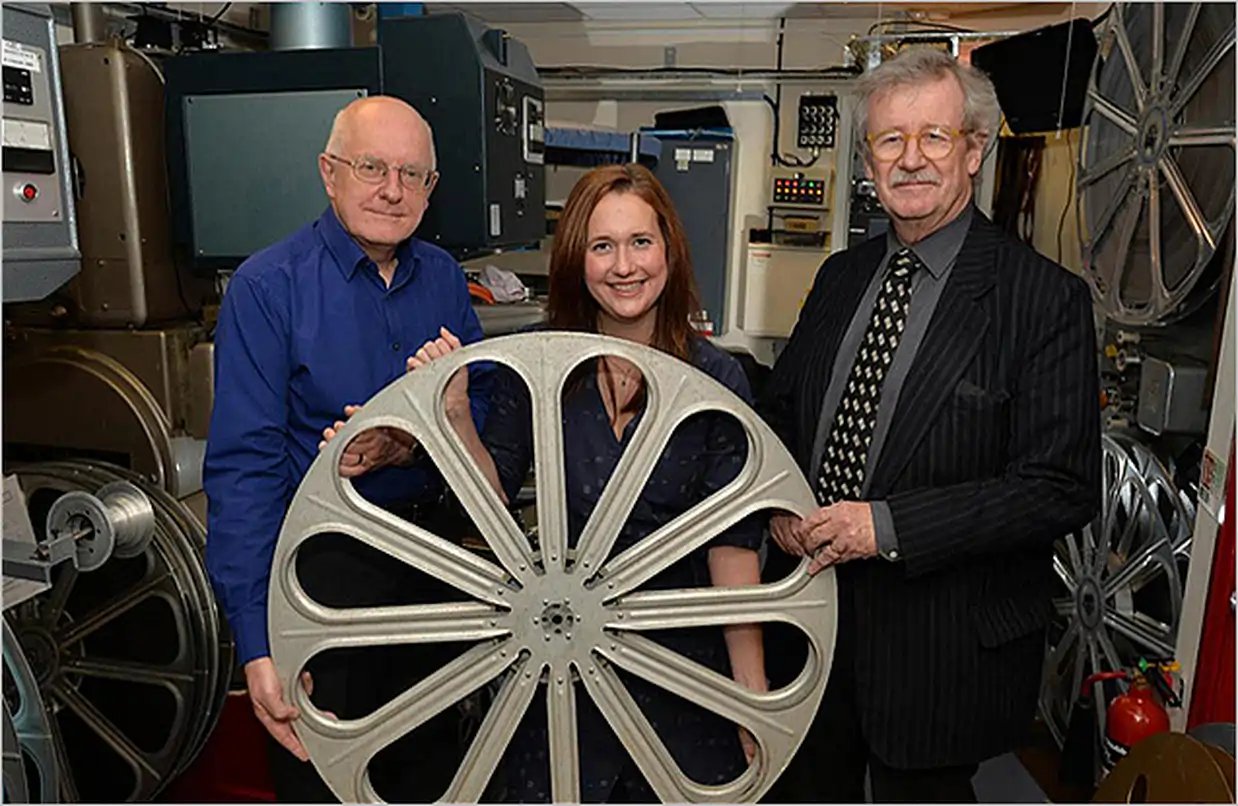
<point x="799" y="190"/>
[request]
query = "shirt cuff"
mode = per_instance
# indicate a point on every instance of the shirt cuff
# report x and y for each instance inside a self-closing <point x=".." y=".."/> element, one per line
<point x="249" y="633"/>
<point x="883" y="527"/>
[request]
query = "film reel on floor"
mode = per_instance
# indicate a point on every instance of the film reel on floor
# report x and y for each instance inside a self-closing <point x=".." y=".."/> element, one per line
<point x="1122" y="579"/>
<point x="132" y="660"/>
<point x="570" y="613"/>
<point x="1156" y="166"/>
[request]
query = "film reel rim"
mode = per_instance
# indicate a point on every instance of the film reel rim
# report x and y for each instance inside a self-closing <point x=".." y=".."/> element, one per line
<point x="16" y="788"/>
<point x="30" y="720"/>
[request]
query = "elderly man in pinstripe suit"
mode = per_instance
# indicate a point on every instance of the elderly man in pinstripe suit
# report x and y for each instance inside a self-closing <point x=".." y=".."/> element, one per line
<point x="940" y="392"/>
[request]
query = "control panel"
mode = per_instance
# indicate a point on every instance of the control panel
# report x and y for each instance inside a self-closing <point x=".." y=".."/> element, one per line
<point x="798" y="189"/>
<point x="818" y="115"/>
<point x="39" y="242"/>
<point x="29" y="145"/>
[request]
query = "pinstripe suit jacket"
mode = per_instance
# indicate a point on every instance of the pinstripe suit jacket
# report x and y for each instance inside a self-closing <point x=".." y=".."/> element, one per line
<point x="993" y="452"/>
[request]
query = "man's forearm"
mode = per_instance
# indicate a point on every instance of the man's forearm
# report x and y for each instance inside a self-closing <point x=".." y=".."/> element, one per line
<point x="249" y="632"/>
<point x="240" y="570"/>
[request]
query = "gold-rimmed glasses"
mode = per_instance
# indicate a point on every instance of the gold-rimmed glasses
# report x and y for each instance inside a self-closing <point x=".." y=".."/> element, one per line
<point x="373" y="171"/>
<point x="935" y="143"/>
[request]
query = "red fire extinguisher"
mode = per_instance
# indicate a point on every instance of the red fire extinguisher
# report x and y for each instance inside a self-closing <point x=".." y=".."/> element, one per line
<point x="1138" y="712"/>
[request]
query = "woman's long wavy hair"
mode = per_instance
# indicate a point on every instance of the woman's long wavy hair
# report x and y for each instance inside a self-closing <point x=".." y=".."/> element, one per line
<point x="570" y="305"/>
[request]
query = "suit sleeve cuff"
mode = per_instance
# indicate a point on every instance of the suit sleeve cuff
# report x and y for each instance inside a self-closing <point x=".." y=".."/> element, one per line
<point x="883" y="527"/>
<point x="249" y="632"/>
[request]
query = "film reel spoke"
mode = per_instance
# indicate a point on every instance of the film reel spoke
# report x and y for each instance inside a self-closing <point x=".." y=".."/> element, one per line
<point x="564" y="738"/>
<point x="598" y="537"/>
<point x="495" y="734"/>
<point x="327" y="628"/>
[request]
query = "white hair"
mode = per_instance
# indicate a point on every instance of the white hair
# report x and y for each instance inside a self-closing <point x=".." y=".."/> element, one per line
<point x="919" y="65"/>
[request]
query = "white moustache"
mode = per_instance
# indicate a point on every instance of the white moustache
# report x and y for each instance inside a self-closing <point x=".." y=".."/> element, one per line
<point x="900" y="177"/>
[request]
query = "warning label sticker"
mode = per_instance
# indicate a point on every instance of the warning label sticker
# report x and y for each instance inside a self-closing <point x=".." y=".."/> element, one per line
<point x="15" y="54"/>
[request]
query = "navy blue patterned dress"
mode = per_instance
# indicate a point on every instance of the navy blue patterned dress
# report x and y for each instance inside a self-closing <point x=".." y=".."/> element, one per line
<point x="705" y="453"/>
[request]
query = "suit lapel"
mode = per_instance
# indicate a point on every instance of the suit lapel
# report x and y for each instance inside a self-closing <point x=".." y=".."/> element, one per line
<point x="954" y="334"/>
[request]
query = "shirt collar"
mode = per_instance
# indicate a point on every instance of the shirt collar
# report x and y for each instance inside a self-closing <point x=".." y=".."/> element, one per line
<point x="348" y="253"/>
<point x="939" y="249"/>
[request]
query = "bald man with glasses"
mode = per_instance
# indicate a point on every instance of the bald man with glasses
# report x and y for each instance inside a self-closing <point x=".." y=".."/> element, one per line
<point x="309" y="327"/>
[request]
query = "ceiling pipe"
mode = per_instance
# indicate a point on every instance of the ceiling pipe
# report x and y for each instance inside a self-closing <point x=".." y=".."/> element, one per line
<point x="308" y="25"/>
<point x="89" y="23"/>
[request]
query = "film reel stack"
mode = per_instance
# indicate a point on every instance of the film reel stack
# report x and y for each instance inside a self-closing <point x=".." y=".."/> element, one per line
<point x="1156" y="209"/>
<point x="1122" y="580"/>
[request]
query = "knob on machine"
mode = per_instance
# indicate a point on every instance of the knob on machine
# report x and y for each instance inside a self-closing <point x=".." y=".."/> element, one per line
<point x="118" y="521"/>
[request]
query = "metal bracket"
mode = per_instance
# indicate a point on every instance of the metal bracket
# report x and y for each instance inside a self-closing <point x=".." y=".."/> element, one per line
<point x="24" y="561"/>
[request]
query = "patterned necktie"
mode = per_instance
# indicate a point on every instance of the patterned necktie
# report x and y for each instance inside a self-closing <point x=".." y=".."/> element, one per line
<point x="846" y="449"/>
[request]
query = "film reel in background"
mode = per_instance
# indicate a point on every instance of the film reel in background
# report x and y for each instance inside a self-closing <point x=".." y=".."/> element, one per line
<point x="1121" y="582"/>
<point x="128" y="665"/>
<point x="1156" y="166"/>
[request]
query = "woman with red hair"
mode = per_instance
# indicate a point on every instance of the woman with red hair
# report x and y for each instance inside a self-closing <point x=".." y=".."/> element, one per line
<point x="621" y="267"/>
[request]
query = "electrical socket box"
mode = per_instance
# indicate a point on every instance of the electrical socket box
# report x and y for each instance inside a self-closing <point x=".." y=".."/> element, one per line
<point x="818" y="118"/>
<point x="777" y="279"/>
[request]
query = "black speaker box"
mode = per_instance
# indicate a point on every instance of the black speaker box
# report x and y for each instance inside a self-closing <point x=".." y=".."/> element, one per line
<point x="1029" y="71"/>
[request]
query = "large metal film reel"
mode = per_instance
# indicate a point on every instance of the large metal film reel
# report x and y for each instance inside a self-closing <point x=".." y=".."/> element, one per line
<point x="35" y="739"/>
<point x="1156" y="165"/>
<point x="130" y="659"/>
<point x="1121" y="581"/>
<point x="511" y="648"/>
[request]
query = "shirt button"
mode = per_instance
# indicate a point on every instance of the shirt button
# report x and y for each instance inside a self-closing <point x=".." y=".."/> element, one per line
<point x="396" y="347"/>
<point x="893" y="554"/>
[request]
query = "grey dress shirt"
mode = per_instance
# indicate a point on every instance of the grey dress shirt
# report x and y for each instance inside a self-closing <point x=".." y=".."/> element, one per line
<point x="938" y="253"/>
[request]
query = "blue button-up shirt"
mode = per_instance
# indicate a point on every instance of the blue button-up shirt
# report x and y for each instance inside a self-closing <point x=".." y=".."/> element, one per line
<point x="306" y="327"/>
